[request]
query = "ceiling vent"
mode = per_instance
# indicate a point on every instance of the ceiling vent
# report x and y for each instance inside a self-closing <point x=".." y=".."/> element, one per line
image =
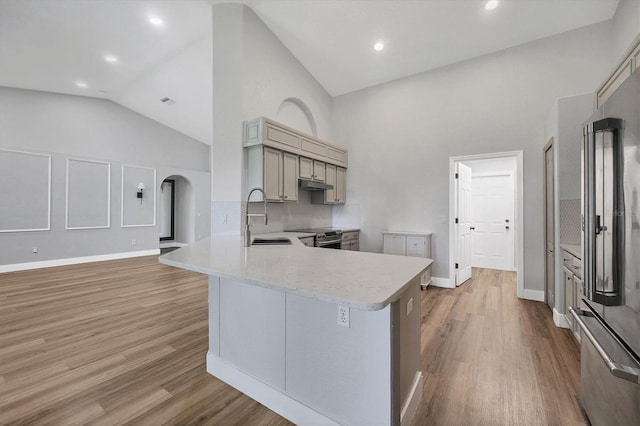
<point x="167" y="101"/>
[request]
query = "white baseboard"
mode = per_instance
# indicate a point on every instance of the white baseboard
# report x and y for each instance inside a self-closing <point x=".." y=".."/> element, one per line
<point x="75" y="260"/>
<point x="535" y="295"/>
<point x="413" y="400"/>
<point x="560" y="320"/>
<point x="441" y="282"/>
<point x="273" y="399"/>
<point x="170" y="244"/>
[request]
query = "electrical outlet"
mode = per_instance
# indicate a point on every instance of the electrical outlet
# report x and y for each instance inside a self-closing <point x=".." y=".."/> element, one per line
<point x="35" y="249"/>
<point x="409" y="306"/>
<point x="133" y="242"/>
<point x="343" y="316"/>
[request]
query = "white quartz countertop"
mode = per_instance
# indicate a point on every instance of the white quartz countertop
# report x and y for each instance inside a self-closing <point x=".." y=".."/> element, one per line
<point x="574" y="249"/>
<point x="365" y="281"/>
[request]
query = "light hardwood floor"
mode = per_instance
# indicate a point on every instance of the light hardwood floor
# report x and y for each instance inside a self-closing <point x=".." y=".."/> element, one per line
<point x="124" y="342"/>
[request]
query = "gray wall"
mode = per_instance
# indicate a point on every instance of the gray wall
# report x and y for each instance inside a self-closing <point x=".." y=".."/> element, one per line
<point x="400" y="135"/>
<point x="66" y="126"/>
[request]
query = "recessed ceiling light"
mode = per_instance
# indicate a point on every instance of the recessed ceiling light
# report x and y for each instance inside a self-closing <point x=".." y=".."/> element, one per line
<point x="491" y="4"/>
<point x="378" y="46"/>
<point x="82" y="84"/>
<point x="167" y="101"/>
<point x="111" y="59"/>
<point x="155" y="20"/>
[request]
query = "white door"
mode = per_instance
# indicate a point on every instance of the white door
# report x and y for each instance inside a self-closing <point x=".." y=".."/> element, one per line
<point x="492" y="211"/>
<point x="463" y="223"/>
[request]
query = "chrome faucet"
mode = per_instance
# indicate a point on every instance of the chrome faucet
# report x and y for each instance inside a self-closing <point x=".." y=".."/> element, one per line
<point x="247" y="224"/>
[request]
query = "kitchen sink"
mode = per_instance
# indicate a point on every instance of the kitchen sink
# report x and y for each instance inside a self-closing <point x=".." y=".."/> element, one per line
<point x="274" y="241"/>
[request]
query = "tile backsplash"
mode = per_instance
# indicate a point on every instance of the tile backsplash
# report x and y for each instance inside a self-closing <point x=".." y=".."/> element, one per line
<point x="570" y="221"/>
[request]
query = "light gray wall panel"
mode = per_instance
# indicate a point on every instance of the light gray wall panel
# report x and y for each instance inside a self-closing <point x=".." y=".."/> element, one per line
<point x="257" y="315"/>
<point x="136" y="211"/>
<point x="25" y="191"/>
<point x="354" y="362"/>
<point x="88" y="194"/>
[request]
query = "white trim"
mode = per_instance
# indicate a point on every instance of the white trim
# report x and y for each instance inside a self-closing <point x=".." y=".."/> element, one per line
<point x="413" y="400"/>
<point x="75" y="260"/>
<point x="560" y="320"/>
<point x="271" y="398"/>
<point x="66" y="201"/>
<point x="535" y="295"/>
<point x="441" y="282"/>
<point x="155" y="201"/>
<point x="491" y="174"/>
<point x="170" y="244"/>
<point x="519" y="214"/>
<point x="48" y="228"/>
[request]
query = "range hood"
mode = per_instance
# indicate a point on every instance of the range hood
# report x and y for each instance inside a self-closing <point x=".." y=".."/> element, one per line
<point x="308" y="185"/>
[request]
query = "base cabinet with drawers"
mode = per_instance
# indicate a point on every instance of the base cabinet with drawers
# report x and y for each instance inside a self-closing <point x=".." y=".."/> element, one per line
<point x="351" y="240"/>
<point x="413" y="244"/>
<point x="573" y="288"/>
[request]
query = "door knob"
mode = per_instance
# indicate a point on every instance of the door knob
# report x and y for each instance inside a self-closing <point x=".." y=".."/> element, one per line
<point x="472" y="228"/>
<point x="506" y="227"/>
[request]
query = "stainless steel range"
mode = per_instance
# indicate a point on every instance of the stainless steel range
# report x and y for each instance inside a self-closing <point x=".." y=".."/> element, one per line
<point x="325" y="237"/>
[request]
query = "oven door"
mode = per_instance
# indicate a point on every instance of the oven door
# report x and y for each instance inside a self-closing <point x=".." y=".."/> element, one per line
<point x="334" y="244"/>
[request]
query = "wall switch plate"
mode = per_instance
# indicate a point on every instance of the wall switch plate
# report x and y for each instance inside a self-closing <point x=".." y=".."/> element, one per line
<point x="133" y="242"/>
<point x="409" y="306"/>
<point x="35" y="249"/>
<point x="343" y="316"/>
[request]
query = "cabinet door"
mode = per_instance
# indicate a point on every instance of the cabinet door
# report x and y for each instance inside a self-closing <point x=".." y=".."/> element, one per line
<point x="318" y="171"/>
<point x="330" y="179"/>
<point x="355" y="245"/>
<point x="273" y="174"/>
<point x="415" y="246"/>
<point x="395" y="244"/>
<point x="306" y="168"/>
<point x="341" y="185"/>
<point x="290" y="177"/>
<point x="569" y="298"/>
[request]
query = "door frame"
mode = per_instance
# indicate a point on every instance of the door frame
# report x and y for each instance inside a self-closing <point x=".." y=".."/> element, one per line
<point x="550" y="145"/>
<point x="172" y="182"/>
<point x="518" y="214"/>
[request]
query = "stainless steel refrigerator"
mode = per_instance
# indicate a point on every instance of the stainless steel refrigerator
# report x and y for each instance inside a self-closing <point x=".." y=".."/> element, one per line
<point x="610" y="324"/>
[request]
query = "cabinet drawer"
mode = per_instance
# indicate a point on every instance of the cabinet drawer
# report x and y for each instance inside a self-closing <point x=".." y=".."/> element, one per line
<point x="348" y="236"/>
<point x="567" y="261"/>
<point x="415" y="246"/>
<point x="278" y="135"/>
<point x="577" y="267"/>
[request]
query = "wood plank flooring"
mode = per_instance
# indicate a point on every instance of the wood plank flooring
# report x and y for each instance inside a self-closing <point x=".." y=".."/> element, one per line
<point x="124" y="342"/>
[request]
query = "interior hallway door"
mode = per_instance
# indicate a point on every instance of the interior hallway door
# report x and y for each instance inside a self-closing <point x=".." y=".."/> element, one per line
<point x="463" y="223"/>
<point x="549" y="225"/>
<point x="492" y="221"/>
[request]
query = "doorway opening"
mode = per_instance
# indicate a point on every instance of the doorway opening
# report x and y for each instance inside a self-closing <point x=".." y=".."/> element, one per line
<point x="486" y="227"/>
<point x="549" y="225"/>
<point x="176" y="212"/>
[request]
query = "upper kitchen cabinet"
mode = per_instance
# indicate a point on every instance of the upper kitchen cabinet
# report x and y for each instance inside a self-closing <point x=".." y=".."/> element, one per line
<point x="336" y="177"/>
<point x="273" y="170"/>
<point x="312" y="169"/>
<point x="276" y="156"/>
<point x="263" y="131"/>
<point x="629" y="64"/>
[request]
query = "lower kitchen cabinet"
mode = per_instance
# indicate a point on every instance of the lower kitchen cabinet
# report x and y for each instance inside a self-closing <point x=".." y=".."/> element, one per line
<point x="573" y="289"/>
<point x="351" y="240"/>
<point x="409" y="244"/>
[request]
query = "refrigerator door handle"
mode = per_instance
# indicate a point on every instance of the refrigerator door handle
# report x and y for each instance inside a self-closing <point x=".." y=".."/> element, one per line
<point x="625" y="372"/>
<point x="599" y="228"/>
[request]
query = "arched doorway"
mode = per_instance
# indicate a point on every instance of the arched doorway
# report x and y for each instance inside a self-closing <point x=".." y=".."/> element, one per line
<point x="176" y="219"/>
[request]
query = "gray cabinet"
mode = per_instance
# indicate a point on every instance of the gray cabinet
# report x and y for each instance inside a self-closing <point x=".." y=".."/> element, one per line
<point x="273" y="170"/>
<point x="337" y="177"/>
<point x="413" y="244"/>
<point x="573" y="288"/>
<point x="312" y="169"/>
<point x="351" y="240"/>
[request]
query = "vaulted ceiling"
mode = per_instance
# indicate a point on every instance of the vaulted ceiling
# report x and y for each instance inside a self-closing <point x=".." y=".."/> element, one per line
<point x="53" y="45"/>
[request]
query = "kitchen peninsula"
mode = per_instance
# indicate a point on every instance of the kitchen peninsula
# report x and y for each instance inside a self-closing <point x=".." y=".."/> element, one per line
<point x="320" y="336"/>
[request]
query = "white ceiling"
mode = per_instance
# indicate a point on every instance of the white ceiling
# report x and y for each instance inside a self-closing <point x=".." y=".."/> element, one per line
<point x="50" y="44"/>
